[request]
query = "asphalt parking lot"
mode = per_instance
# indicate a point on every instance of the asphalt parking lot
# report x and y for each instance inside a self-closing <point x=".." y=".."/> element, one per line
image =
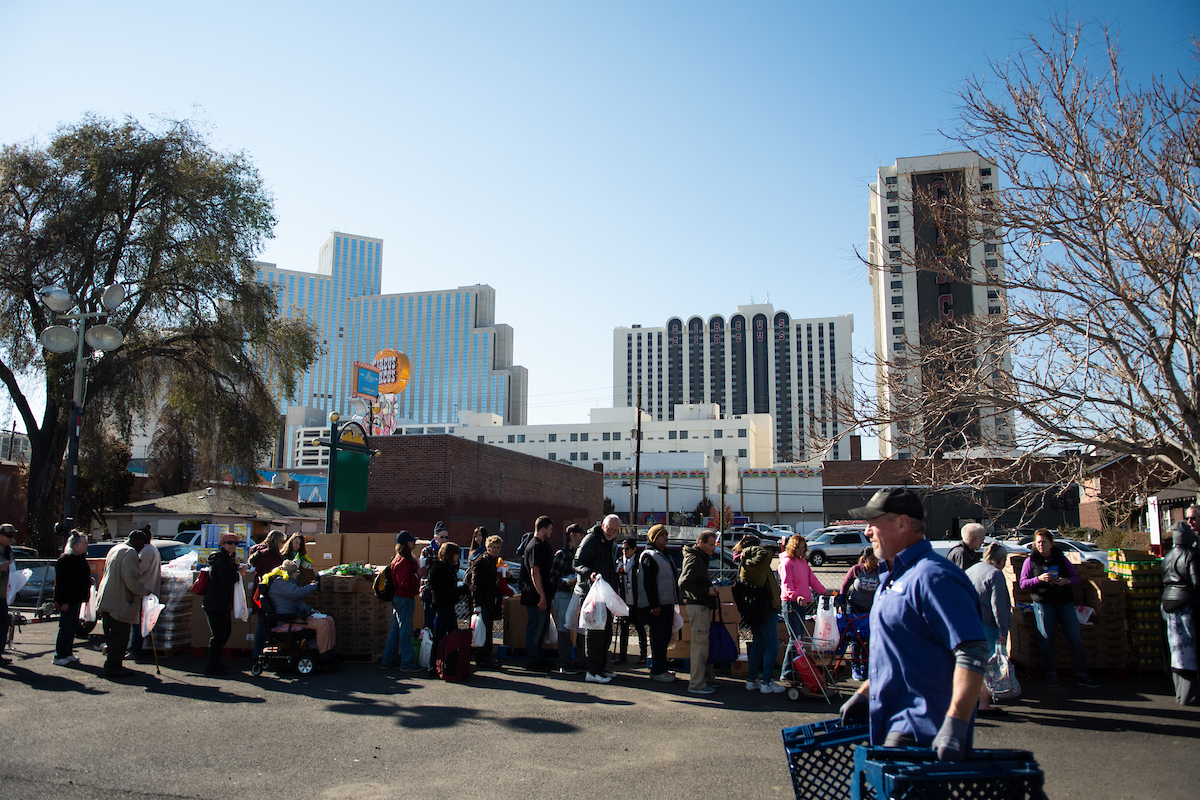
<point x="359" y="732"/>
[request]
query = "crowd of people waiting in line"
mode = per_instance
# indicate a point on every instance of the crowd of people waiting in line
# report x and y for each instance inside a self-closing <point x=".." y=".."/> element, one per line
<point x="551" y="583"/>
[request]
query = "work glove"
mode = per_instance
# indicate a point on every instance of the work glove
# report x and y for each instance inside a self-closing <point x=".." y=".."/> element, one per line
<point x="951" y="740"/>
<point x="854" y="710"/>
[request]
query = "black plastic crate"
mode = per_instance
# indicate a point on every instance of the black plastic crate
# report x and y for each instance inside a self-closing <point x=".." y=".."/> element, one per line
<point x="821" y="758"/>
<point x="914" y="773"/>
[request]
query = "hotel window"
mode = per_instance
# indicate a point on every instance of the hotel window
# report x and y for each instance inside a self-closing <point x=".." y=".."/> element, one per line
<point x="583" y="456"/>
<point x="897" y="284"/>
<point x="718" y="434"/>
<point x="520" y="438"/>
<point x="741" y="433"/>
<point x="606" y="436"/>
<point x="893" y="209"/>
<point x="893" y="224"/>
<point x="551" y="456"/>
<point x="742" y="453"/>
<point x="583" y="437"/>
<point x="574" y="456"/>
<point x="671" y="434"/>
<point x="897" y="300"/>
<point x="889" y="181"/>
<point x="574" y="437"/>
<point x="616" y="455"/>
<point x="718" y="453"/>
<point x="511" y="438"/>
<point x="893" y="240"/>
<point x="683" y="434"/>
<point x="604" y="456"/>
<point x="553" y="437"/>
<point x="479" y="439"/>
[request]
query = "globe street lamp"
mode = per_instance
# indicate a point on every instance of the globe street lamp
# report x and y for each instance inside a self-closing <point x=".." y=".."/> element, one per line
<point x="62" y="339"/>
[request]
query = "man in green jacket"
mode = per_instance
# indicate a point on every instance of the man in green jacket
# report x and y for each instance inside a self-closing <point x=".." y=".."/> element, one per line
<point x="699" y="598"/>
<point x="756" y="573"/>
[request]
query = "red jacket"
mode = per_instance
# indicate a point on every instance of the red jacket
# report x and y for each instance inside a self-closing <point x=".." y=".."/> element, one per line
<point x="404" y="576"/>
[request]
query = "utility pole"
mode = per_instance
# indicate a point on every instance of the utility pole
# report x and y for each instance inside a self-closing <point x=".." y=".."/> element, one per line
<point x="637" y="462"/>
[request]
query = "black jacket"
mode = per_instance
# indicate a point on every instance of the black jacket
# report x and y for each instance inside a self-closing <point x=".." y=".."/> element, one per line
<point x="595" y="554"/>
<point x="964" y="556"/>
<point x="443" y="583"/>
<point x="222" y="576"/>
<point x="72" y="579"/>
<point x="1181" y="569"/>
<point x="485" y="589"/>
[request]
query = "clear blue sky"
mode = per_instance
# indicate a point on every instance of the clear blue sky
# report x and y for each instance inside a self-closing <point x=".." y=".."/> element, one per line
<point x="598" y="163"/>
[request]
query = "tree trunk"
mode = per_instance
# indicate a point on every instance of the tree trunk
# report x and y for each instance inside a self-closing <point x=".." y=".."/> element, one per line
<point x="43" y="501"/>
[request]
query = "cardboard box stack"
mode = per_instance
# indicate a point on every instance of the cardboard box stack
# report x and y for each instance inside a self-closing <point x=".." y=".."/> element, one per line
<point x="361" y="620"/>
<point x="1141" y="574"/>
<point x="174" y="627"/>
<point x="1104" y="641"/>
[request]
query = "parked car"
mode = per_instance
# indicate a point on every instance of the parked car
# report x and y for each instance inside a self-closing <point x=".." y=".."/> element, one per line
<point x="1089" y="552"/>
<point x="770" y="539"/>
<point x="840" y="544"/>
<point x="786" y="530"/>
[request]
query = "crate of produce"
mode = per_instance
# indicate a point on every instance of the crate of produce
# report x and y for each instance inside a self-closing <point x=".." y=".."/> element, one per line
<point x="821" y="757"/>
<point x="914" y="773"/>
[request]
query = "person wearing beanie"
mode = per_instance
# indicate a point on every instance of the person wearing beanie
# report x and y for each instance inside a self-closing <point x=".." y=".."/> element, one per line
<point x="657" y="595"/>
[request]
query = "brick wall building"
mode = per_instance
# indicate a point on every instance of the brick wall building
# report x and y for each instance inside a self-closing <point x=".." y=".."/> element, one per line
<point x="419" y="480"/>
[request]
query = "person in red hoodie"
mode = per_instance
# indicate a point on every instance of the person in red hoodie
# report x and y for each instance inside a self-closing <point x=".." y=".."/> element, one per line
<point x="404" y="603"/>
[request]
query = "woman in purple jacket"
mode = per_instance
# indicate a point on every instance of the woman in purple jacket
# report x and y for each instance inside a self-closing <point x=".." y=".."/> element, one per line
<point x="1049" y="577"/>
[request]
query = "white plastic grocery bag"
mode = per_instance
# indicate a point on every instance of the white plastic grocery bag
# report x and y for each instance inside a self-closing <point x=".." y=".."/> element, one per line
<point x="478" y="629"/>
<point x="240" y="609"/>
<point x="425" y="655"/>
<point x="825" y="631"/>
<point x="151" y="608"/>
<point x="573" y="612"/>
<point x="88" y="612"/>
<point x="17" y="578"/>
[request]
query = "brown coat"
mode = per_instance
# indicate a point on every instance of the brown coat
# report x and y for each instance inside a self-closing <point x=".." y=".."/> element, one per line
<point x="122" y="589"/>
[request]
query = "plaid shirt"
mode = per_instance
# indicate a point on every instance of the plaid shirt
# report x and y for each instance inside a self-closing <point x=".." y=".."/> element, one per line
<point x="561" y="568"/>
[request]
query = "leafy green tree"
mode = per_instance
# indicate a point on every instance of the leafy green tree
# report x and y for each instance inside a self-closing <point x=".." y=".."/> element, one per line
<point x="178" y="224"/>
<point x="104" y="477"/>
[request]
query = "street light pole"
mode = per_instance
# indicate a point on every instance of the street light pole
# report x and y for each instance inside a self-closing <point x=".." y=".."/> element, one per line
<point x="62" y="339"/>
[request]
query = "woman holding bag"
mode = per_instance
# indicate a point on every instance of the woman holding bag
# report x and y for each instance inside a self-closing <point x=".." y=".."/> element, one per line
<point x="797" y="587"/>
<point x="995" y="609"/>
<point x="485" y="593"/>
<point x="223" y="575"/>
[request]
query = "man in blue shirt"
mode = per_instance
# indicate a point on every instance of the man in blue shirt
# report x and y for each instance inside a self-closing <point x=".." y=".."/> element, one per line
<point x="928" y="650"/>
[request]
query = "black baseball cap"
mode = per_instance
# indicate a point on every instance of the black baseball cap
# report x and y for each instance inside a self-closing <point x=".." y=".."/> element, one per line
<point x="404" y="536"/>
<point x="891" y="501"/>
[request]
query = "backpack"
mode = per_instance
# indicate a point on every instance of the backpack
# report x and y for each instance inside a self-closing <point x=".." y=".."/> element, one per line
<point x="524" y="582"/>
<point x="752" y="602"/>
<point x="385" y="587"/>
<point x="453" y="657"/>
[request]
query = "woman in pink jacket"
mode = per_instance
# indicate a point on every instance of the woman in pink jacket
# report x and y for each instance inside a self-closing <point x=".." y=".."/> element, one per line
<point x="797" y="586"/>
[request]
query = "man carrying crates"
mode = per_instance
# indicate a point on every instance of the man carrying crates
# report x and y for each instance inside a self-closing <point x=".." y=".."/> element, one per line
<point x="928" y="649"/>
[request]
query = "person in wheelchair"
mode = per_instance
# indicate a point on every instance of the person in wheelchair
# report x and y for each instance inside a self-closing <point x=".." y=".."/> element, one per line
<point x="287" y="596"/>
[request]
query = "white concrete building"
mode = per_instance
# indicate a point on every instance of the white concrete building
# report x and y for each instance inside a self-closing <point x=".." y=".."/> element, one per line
<point x="759" y="361"/>
<point x="909" y="292"/>
<point x="607" y="439"/>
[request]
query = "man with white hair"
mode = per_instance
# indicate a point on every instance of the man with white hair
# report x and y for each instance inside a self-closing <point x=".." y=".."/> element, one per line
<point x="966" y="553"/>
<point x="594" y="559"/>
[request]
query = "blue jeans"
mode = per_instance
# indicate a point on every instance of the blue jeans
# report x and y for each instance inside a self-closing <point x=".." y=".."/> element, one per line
<point x="1062" y="615"/>
<point x="400" y="637"/>
<point x="535" y="632"/>
<point x="793" y="618"/>
<point x="764" y="647"/>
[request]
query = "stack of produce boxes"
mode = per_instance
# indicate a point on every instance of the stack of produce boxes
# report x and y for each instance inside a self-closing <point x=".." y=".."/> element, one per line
<point x="362" y="621"/>
<point x="173" y="631"/>
<point x="1103" y="639"/>
<point x="1141" y="573"/>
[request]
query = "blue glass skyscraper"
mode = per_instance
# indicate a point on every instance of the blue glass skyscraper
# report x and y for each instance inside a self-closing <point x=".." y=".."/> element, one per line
<point x="461" y="359"/>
